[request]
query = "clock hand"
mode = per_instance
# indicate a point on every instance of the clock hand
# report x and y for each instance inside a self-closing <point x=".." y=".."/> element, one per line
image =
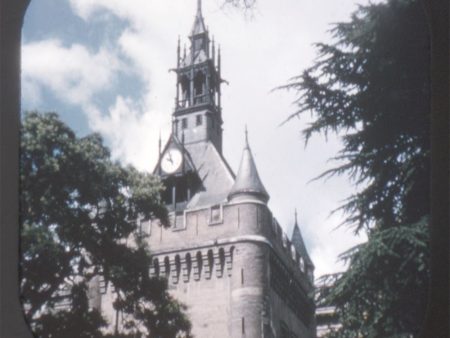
<point x="170" y="158"/>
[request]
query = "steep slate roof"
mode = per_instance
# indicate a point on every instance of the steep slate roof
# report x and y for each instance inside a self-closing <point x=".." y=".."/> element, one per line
<point x="247" y="179"/>
<point x="299" y="244"/>
<point x="216" y="176"/>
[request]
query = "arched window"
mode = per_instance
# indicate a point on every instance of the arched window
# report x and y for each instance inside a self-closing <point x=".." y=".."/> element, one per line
<point x="185" y="91"/>
<point x="167" y="266"/>
<point x="177" y="268"/>
<point x="199" y="84"/>
<point x="156" y="267"/>
<point x="210" y="263"/>
<point x="221" y="266"/>
<point x="199" y="264"/>
<point x="188" y="267"/>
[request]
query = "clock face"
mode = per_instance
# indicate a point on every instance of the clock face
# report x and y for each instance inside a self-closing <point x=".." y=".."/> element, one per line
<point x="171" y="160"/>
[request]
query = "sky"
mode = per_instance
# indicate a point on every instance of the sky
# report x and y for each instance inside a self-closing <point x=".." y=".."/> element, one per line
<point x="103" y="65"/>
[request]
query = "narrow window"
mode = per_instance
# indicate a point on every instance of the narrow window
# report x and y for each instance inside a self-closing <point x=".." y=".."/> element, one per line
<point x="215" y="216"/>
<point x="199" y="264"/>
<point x="221" y="266"/>
<point x="167" y="267"/>
<point x="188" y="266"/>
<point x="210" y="264"/>
<point x="199" y="85"/>
<point x="243" y="325"/>
<point x="177" y="268"/>
<point x="242" y="276"/>
<point x="198" y="120"/>
<point x="184" y="123"/>
<point x="156" y="267"/>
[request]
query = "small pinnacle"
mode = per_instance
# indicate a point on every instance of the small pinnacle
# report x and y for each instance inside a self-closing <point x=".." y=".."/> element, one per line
<point x="246" y="136"/>
<point x="159" y="143"/>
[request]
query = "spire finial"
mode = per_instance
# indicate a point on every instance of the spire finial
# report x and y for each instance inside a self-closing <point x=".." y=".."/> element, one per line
<point x="159" y="143"/>
<point x="199" y="7"/>
<point x="296" y="216"/>
<point x="246" y="136"/>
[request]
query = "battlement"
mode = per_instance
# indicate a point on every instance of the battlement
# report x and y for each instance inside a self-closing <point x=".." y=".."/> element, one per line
<point x="202" y="229"/>
<point x="203" y="263"/>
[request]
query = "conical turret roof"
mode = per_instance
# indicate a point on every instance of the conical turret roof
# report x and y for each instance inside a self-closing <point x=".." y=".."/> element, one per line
<point x="247" y="179"/>
<point x="199" y="24"/>
<point x="299" y="244"/>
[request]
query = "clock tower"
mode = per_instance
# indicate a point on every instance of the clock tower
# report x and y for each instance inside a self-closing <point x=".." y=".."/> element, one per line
<point x="196" y="120"/>
<point x="224" y="255"/>
<point x="198" y="113"/>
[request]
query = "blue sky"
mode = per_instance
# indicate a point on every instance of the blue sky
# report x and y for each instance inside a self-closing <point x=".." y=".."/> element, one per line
<point x="103" y="66"/>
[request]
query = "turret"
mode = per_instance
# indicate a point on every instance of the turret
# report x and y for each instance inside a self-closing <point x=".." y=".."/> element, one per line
<point x="299" y="245"/>
<point x="248" y="185"/>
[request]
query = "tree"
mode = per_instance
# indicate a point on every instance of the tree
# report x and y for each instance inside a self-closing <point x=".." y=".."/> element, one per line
<point x="78" y="212"/>
<point x="372" y="82"/>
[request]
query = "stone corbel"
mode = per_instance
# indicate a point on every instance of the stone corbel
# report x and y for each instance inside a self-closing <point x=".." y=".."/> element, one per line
<point x="174" y="274"/>
<point x="207" y="266"/>
<point x="229" y="263"/>
<point x="218" y="264"/>
<point x="196" y="269"/>
<point x="185" y="270"/>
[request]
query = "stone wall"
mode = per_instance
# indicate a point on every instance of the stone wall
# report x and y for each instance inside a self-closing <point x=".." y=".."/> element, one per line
<point x="223" y="261"/>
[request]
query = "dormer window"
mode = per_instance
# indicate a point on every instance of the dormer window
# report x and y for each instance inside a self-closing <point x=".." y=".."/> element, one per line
<point x="215" y="214"/>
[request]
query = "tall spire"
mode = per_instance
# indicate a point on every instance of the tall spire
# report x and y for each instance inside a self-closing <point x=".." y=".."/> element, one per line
<point x="248" y="185"/>
<point x="199" y="24"/>
<point x="299" y="244"/>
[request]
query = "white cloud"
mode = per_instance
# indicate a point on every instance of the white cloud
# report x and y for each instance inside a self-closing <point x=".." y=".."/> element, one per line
<point x="132" y="134"/>
<point x="329" y="242"/>
<point x="76" y="75"/>
<point x="73" y="73"/>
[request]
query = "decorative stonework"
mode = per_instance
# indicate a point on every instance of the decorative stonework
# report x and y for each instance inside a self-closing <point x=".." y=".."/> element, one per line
<point x="194" y="265"/>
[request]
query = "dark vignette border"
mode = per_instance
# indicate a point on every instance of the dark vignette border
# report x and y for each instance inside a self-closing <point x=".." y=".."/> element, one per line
<point x="12" y="323"/>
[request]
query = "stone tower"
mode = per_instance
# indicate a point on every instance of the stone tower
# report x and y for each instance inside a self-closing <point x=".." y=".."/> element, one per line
<point x="225" y="256"/>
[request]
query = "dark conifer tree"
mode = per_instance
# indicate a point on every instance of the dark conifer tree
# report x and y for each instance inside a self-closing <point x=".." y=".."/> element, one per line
<point x="371" y="86"/>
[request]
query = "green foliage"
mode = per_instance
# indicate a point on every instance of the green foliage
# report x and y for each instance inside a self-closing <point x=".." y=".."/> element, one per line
<point x="372" y="83"/>
<point x="78" y="212"/>
<point x="381" y="294"/>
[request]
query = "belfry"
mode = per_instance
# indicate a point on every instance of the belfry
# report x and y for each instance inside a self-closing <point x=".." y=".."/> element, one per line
<point x="225" y="256"/>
